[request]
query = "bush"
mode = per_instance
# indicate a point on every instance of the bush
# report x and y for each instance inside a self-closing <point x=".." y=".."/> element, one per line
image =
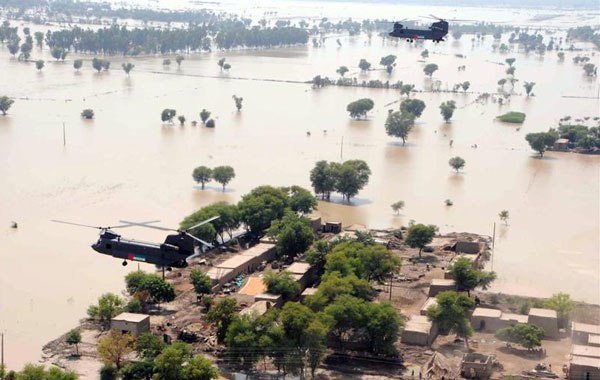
<point x="281" y="283"/>
<point x="108" y="372"/>
<point x="87" y="114"/>
<point x="495" y="299"/>
<point x="512" y="117"/>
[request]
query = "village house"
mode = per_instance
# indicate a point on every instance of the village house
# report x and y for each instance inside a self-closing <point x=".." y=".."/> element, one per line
<point x="546" y="319"/>
<point x="134" y="324"/>
<point x="439" y="285"/>
<point x="419" y="331"/>
<point x="581" y="332"/>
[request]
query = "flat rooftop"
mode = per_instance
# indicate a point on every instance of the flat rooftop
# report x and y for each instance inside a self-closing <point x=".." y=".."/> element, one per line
<point x="443" y="282"/>
<point x="585" y="361"/>
<point x="431" y="301"/>
<point x="585" y="328"/>
<point x="298" y="268"/>
<point x="594" y="340"/>
<point x="131" y="317"/>
<point x="418" y="323"/>
<point x="258" y="249"/>
<point x="258" y="307"/>
<point x="236" y="261"/>
<point x="216" y="274"/>
<point x="488" y="313"/>
<point x="519" y="318"/>
<point x="544" y="313"/>
<point x="587" y="351"/>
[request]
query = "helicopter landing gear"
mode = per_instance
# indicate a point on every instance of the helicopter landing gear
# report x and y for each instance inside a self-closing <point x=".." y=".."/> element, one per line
<point x="124" y="263"/>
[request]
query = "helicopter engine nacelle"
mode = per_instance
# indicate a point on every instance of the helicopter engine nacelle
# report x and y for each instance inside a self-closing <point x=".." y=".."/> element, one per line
<point x="185" y="243"/>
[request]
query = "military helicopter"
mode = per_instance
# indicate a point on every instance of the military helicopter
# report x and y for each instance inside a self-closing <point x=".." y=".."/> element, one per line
<point x="174" y="252"/>
<point x="436" y="32"/>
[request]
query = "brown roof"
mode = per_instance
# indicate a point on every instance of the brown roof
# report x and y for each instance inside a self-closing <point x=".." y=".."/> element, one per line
<point x="586" y="328"/>
<point x="587" y="351"/>
<point x="544" y="313"/>
<point x="585" y="362"/>
<point x="485" y="312"/>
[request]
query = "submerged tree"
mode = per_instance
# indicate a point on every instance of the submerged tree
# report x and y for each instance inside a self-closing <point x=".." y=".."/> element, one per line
<point x="223" y="175"/>
<point x="39" y="64"/>
<point x="364" y="65"/>
<point x="413" y="106"/>
<point x="179" y="59"/>
<point x="77" y="64"/>
<point x="457" y="163"/>
<point x="528" y="87"/>
<point x="221" y="63"/>
<point x="238" y="102"/>
<point x="167" y="115"/>
<point x="181" y="119"/>
<point x="127" y="67"/>
<point x="397" y="206"/>
<point x="504" y="216"/>
<point x="359" y="108"/>
<point x="541" y="141"/>
<point x="399" y="124"/>
<point x="447" y="109"/>
<point x="342" y="70"/>
<point x="87" y="113"/>
<point x="204" y="115"/>
<point x="5" y="104"/>
<point x="202" y="174"/>
<point x="430" y="68"/>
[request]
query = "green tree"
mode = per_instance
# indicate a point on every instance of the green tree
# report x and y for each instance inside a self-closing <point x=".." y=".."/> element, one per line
<point x="369" y="262"/>
<point x="351" y="177"/>
<point x="179" y="59"/>
<point x="39" y="64"/>
<point x="222" y="314"/>
<point x="169" y="364"/>
<point x="202" y="283"/>
<point x="261" y="206"/>
<point x="457" y="163"/>
<point x="210" y="123"/>
<point x="74" y="338"/>
<point x="293" y="233"/>
<point x="39" y="39"/>
<point x="157" y="289"/>
<point x="540" y="141"/>
<point x="105" y="64"/>
<point x="13" y="47"/>
<point x="322" y="178"/>
<point x="511" y="70"/>
<point x="202" y="174"/>
<point x="590" y="69"/>
<point x="238" y="102"/>
<point x="149" y="346"/>
<point x="430" y="68"/>
<point x="561" y="56"/>
<point x="364" y="65"/>
<point x="527" y="335"/>
<point x="77" y="64"/>
<point x="221" y="63"/>
<point x="134" y="306"/>
<point x="452" y="314"/>
<point x="87" y="113"/>
<point x="412" y="106"/>
<point x="137" y="371"/>
<point x="115" y="347"/>
<point x="333" y="284"/>
<point x="281" y="283"/>
<point x="388" y="62"/>
<point x="349" y="314"/>
<point x="301" y="200"/>
<point x="316" y="255"/>
<point x="56" y="52"/>
<point x="108" y="372"/>
<point x="397" y="206"/>
<point x="228" y="221"/>
<point x="562" y="304"/>
<point x="109" y="305"/>
<point x="167" y="115"/>
<point x="465" y="85"/>
<point x="383" y="327"/>
<point x="399" y="124"/>
<point x="510" y="61"/>
<point x="425" y="54"/>
<point x="223" y="175"/>
<point x="199" y="368"/>
<point x="127" y="67"/>
<point x="468" y="277"/>
<point x="26" y="50"/>
<point x="342" y="70"/>
<point x="419" y="235"/>
<point x="528" y="87"/>
<point x="97" y="64"/>
<point x="359" y="108"/>
<point x="181" y="119"/>
<point x="406" y="89"/>
<point x="204" y="115"/>
<point x="5" y="104"/>
<point x="504" y="216"/>
<point x="447" y="109"/>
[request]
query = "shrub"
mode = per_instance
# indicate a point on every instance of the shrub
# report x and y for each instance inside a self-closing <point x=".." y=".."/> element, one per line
<point x="512" y="117"/>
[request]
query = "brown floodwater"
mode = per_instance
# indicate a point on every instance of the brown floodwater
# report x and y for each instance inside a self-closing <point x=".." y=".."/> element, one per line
<point x="126" y="164"/>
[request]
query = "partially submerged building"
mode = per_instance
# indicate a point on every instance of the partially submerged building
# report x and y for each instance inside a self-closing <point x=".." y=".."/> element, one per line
<point x="419" y="331"/>
<point x="546" y="319"/>
<point x="134" y="324"/>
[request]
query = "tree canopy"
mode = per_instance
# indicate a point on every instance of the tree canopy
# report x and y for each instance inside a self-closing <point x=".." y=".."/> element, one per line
<point x="430" y="68"/>
<point x="419" y="235"/>
<point x="399" y="124"/>
<point x="541" y="141"/>
<point x="261" y="206"/>
<point x="223" y="175"/>
<point x="281" y="283"/>
<point x="5" y="104"/>
<point x="457" y="163"/>
<point x="527" y="335"/>
<point x="360" y="107"/>
<point x="447" y="109"/>
<point x="468" y="277"/>
<point x="202" y="174"/>
<point x="412" y="106"/>
<point x="452" y="314"/>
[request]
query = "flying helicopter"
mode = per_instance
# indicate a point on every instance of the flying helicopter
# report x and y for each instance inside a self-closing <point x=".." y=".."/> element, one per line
<point x="174" y="252"/>
<point x="436" y="32"/>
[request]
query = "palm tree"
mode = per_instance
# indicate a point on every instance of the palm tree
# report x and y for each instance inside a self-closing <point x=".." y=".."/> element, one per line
<point x="504" y="216"/>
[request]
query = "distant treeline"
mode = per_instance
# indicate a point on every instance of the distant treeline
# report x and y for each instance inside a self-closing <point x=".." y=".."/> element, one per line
<point x="585" y="33"/>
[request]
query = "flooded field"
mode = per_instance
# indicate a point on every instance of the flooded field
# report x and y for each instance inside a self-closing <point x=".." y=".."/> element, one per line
<point x="126" y="164"/>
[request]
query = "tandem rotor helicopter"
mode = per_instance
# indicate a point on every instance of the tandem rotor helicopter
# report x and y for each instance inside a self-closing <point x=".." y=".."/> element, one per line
<point x="436" y="32"/>
<point x="174" y="252"/>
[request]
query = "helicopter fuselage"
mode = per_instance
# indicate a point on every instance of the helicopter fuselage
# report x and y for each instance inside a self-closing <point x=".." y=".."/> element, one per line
<point x="436" y="32"/>
<point x="172" y="253"/>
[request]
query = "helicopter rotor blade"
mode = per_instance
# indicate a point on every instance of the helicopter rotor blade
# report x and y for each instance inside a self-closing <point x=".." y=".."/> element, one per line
<point x="199" y="240"/>
<point x="198" y="254"/>
<point x="145" y="224"/>
<point x="88" y="226"/>
<point x="201" y="223"/>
